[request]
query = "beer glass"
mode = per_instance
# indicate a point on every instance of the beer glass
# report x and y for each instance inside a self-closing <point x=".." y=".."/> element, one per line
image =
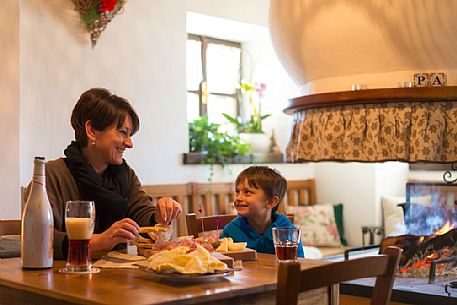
<point x="79" y="223"/>
<point x="286" y="240"/>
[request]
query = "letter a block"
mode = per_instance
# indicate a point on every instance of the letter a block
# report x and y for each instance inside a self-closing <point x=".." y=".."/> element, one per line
<point x="438" y="79"/>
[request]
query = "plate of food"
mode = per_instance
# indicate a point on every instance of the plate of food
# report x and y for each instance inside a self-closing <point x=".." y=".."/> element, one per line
<point x="188" y="277"/>
<point x="159" y="239"/>
<point x="180" y="265"/>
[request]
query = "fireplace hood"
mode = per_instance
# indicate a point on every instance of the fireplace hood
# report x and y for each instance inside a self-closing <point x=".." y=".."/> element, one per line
<point x="328" y="45"/>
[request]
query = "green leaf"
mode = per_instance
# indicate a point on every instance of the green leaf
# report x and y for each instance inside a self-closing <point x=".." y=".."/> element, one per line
<point x="231" y="119"/>
<point x="219" y="146"/>
<point x="90" y="16"/>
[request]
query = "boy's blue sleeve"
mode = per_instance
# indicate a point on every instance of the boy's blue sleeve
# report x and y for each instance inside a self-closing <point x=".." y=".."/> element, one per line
<point x="229" y="230"/>
<point x="223" y="234"/>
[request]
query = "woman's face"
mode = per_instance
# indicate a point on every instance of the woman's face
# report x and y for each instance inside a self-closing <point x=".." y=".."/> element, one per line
<point x="111" y="143"/>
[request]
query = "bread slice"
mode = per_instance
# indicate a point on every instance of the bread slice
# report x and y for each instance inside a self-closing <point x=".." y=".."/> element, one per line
<point x="156" y="228"/>
<point x="162" y="232"/>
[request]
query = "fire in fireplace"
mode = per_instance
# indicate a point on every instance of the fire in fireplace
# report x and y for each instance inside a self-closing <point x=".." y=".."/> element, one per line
<point x="419" y="252"/>
<point x="430" y="247"/>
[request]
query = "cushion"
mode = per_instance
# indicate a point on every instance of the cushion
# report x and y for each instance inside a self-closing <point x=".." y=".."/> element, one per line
<point x="318" y="225"/>
<point x="338" y="209"/>
<point x="393" y="215"/>
<point x="312" y="252"/>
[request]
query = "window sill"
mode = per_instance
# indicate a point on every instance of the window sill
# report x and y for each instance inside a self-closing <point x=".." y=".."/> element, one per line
<point x="255" y="158"/>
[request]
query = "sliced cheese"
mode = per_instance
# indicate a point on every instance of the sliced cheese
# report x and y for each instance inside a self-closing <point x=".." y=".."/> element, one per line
<point x="177" y="260"/>
<point x="227" y="244"/>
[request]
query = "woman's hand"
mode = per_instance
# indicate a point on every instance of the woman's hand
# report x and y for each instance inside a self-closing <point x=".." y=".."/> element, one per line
<point x="166" y="210"/>
<point x="122" y="231"/>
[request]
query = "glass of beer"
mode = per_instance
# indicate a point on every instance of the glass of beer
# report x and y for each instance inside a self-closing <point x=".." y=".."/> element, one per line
<point x="286" y="240"/>
<point x="79" y="223"/>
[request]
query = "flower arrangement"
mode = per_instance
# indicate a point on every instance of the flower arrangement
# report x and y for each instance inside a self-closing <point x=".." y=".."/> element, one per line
<point x="95" y="14"/>
<point x="253" y="92"/>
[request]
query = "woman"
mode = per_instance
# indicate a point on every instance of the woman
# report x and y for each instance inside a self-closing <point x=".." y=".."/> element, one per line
<point x="93" y="169"/>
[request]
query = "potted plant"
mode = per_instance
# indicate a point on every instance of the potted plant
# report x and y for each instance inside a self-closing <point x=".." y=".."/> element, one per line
<point x="249" y="125"/>
<point x="219" y="147"/>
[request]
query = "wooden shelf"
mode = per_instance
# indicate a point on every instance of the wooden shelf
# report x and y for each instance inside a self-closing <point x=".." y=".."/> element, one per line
<point x="255" y="158"/>
<point x="372" y="96"/>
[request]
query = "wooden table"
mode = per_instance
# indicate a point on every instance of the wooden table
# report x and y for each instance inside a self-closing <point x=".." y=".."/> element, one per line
<point x="255" y="284"/>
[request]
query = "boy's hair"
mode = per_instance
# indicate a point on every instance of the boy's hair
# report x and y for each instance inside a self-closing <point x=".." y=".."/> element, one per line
<point x="267" y="179"/>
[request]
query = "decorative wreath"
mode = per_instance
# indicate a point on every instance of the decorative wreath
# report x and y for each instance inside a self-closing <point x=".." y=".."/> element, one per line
<point x="95" y="14"/>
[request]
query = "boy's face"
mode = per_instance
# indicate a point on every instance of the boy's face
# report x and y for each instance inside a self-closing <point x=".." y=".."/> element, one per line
<point x="251" y="202"/>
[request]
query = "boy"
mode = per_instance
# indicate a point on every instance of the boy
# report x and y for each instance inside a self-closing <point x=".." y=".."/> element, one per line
<point x="258" y="192"/>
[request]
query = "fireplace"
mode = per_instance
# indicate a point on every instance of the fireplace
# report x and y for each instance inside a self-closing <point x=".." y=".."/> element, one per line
<point x="427" y="256"/>
<point x="428" y="266"/>
<point x="430" y="243"/>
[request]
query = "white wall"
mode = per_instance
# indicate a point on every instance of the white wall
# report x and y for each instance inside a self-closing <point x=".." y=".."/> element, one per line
<point x="252" y="11"/>
<point x="391" y="178"/>
<point x="352" y="184"/>
<point x="141" y="56"/>
<point x="428" y="175"/>
<point x="359" y="186"/>
<point x="9" y="109"/>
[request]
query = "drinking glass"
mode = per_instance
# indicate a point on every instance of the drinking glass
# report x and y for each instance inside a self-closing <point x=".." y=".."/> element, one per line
<point x="79" y="223"/>
<point x="286" y="240"/>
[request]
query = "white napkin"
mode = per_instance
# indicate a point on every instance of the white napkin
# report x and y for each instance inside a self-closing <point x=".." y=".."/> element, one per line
<point x="118" y="260"/>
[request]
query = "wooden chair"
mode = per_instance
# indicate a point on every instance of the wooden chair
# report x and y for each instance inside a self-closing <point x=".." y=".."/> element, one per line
<point x="292" y="280"/>
<point x="10" y="227"/>
<point x="299" y="193"/>
<point x="213" y="198"/>
<point x="215" y="222"/>
<point x="182" y="193"/>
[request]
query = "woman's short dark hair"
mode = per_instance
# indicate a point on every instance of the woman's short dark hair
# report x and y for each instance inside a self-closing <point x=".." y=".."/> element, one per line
<point x="102" y="109"/>
<point x="265" y="178"/>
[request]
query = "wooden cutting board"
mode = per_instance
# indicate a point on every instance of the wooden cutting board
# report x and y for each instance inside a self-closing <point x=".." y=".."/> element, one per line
<point x="229" y="261"/>
<point x="245" y="255"/>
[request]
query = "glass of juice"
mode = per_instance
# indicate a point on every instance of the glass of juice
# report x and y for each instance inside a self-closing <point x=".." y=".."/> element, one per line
<point x="286" y="240"/>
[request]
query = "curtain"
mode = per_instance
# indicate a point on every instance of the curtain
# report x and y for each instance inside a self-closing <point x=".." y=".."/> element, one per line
<point x="401" y="131"/>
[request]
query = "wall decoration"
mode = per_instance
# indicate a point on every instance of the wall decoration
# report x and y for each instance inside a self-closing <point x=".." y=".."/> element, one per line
<point x="430" y="79"/>
<point x="95" y="15"/>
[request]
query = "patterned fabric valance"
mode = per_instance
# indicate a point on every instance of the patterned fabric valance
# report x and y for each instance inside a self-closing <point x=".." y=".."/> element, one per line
<point x="401" y="131"/>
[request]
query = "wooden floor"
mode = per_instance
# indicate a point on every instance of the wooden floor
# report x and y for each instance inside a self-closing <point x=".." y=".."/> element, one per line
<point x="353" y="300"/>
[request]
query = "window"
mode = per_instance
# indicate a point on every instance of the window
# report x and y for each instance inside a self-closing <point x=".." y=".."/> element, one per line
<point x="213" y="68"/>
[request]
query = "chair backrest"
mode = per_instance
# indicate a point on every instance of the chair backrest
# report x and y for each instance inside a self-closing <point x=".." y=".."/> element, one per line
<point x="215" y="222"/>
<point x="291" y="217"/>
<point x="179" y="192"/>
<point x="299" y="193"/>
<point x="216" y="198"/>
<point x="213" y="198"/>
<point x="292" y="280"/>
<point x="10" y="227"/>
